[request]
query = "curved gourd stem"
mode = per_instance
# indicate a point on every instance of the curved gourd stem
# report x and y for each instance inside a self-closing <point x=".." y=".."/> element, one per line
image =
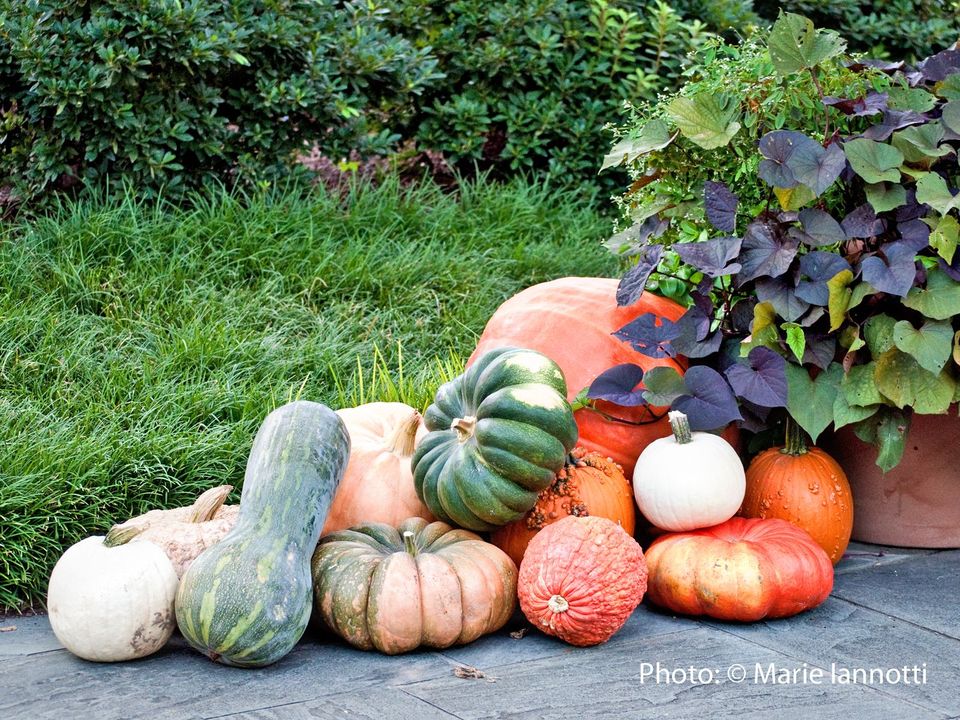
<point x="409" y="544"/>
<point x="404" y="436"/>
<point x="207" y="505"/>
<point x="680" y="426"/>
<point x="464" y="427"/>
<point x="120" y="535"/>
<point x="796" y="440"/>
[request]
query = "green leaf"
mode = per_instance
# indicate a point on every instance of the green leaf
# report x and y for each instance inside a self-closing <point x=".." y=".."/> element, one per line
<point x="846" y="414"/>
<point x="920" y="144"/>
<point x="930" y="346"/>
<point x="663" y="386"/>
<point x="794" y="198"/>
<point x="861" y="291"/>
<point x="859" y="386"/>
<point x="878" y="332"/>
<point x="839" y="297"/>
<point x="905" y="383"/>
<point x="956" y="348"/>
<point x="949" y="88"/>
<point x="885" y="196"/>
<point x="796" y="340"/>
<point x="888" y="432"/>
<point x="655" y="135"/>
<point x="873" y="161"/>
<point x="932" y="189"/>
<point x="763" y="331"/>
<point x="944" y="237"/>
<point x="940" y="300"/>
<point x="907" y="98"/>
<point x="810" y="402"/>
<point x="708" y="120"/>
<point x="951" y="116"/>
<point x="796" y="45"/>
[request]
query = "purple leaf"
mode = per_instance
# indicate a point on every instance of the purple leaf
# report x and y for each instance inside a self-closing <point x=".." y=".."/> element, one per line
<point x="765" y="251"/>
<point x="742" y="315"/>
<point x="819" y="267"/>
<point x="618" y="385"/>
<point x="782" y="294"/>
<point x="695" y="339"/>
<point x="916" y="233"/>
<point x="648" y="337"/>
<point x="951" y="269"/>
<point x="820" y="228"/>
<point x="721" y="206"/>
<point x="777" y="147"/>
<point x="632" y="284"/>
<point x="819" y="350"/>
<point x="711" y="257"/>
<point x="871" y="104"/>
<point x="894" y="273"/>
<point x="893" y="120"/>
<point x="815" y="166"/>
<point x="937" y="67"/>
<point x="762" y="379"/>
<point x="710" y="404"/>
<point x="886" y="66"/>
<point x="634" y="239"/>
<point x="862" y="223"/>
<point x="911" y="209"/>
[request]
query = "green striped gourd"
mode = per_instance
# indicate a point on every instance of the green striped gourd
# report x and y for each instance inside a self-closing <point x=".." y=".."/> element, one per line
<point x="499" y="434"/>
<point x="247" y="600"/>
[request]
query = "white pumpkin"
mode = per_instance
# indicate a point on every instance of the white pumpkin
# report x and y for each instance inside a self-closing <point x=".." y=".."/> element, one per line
<point x="110" y="603"/>
<point x="689" y="480"/>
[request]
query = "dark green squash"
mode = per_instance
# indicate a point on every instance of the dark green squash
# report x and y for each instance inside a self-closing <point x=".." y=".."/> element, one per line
<point x="499" y="434"/>
<point x="247" y="600"/>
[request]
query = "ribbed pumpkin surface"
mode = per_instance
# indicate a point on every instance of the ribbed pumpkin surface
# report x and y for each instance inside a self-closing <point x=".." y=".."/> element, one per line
<point x="570" y="320"/>
<point x="581" y="578"/>
<point x="743" y="569"/>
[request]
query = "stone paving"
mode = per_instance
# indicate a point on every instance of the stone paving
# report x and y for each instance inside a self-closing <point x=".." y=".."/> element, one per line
<point x="890" y="609"/>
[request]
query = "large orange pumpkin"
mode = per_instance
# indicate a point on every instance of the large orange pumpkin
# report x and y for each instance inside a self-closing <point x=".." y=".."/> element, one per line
<point x="744" y="569"/>
<point x="804" y="486"/>
<point x="581" y="578"/>
<point x="570" y="320"/>
<point x="588" y="485"/>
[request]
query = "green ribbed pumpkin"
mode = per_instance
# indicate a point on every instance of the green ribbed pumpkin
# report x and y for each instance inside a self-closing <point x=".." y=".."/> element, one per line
<point x="246" y="601"/>
<point x="499" y="434"/>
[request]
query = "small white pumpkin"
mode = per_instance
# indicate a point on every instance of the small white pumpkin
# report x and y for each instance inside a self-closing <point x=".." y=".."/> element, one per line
<point x="112" y="602"/>
<point x="689" y="480"/>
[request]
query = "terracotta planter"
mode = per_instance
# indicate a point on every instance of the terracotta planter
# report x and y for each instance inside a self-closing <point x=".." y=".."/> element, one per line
<point x="917" y="504"/>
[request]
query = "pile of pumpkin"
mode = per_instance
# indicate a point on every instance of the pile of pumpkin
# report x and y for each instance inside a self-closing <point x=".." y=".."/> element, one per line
<point x="367" y="519"/>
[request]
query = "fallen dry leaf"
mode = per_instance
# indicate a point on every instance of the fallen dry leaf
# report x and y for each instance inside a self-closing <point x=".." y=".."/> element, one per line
<point x="8" y="628"/>
<point x="518" y="634"/>
<point x="468" y="672"/>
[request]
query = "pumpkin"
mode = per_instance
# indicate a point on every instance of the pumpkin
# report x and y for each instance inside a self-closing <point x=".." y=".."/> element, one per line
<point x="246" y="601"/>
<point x="804" y="486"/>
<point x="184" y="532"/>
<point x="571" y="320"/>
<point x="378" y="483"/>
<point x="580" y="579"/>
<point x="499" y="434"/>
<point x="589" y="484"/>
<point x="112" y="600"/>
<point x="688" y="480"/>
<point x="744" y="569"/>
<point x="419" y="584"/>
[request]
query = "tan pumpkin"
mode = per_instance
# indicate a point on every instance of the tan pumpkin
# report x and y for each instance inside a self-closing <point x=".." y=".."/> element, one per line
<point x="185" y="532"/>
<point x="378" y="483"/>
<point x="588" y="485"/>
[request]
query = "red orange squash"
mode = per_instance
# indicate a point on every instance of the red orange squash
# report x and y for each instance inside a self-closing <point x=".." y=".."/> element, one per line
<point x="588" y="485"/>
<point x="570" y="320"/>
<point x="581" y="578"/>
<point x="804" y="486"/>
<point x="743" y="569"/>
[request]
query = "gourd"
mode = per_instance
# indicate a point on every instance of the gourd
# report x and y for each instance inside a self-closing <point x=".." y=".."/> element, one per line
<point x="499" y="434"/>
<point x="183" y="533"/>
<point x="689" y="480"/>
<point x="571" y="320"/>
<point x="420" y="584"/>
<point x="112" y="600"/>
<point x="246" y="601"/>
<point x="378" y="483"/>
<point x="588" y="485"/>
<point x="581" y="578"/>
<point x="745" y="569"/>
<point x="804" y="486"/>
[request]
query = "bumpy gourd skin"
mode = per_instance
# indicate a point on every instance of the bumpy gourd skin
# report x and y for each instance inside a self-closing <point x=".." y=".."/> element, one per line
<point x="499" y="434"/>
<point x="247" y="600"/>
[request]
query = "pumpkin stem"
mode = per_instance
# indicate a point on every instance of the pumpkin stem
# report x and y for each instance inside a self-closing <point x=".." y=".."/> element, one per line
<point x="464" y="427"/>
<point x="120" y="535"/>
<point x="409" y="544"/>
<point x="207" y="505"/>
<point x="401" y="442"/>
<point x="681" y="427"/>
<point x="558" y="604"/>
<point x="796" y="441"/>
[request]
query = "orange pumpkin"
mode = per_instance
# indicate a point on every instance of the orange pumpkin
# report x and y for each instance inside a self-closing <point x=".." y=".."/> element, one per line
<point x="589" y="484"/>
<point x="378" y="483"/>
<point x="570" y="320"/>
<point x="744" y="569"/>
<point x="804" y="486"/>
<point x="581" y="578"/>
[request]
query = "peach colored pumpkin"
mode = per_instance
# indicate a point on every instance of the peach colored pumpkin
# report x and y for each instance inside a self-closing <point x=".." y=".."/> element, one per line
<point x="570" y="320"/>
<point x="378" y="483"/>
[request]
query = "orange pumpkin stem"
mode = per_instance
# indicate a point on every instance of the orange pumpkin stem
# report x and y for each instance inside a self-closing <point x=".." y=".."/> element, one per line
<point x="404" y="437"/>
<point x="796" y="441"/>
<point x="409" y="544"/>
<point x="464" y="427"/>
